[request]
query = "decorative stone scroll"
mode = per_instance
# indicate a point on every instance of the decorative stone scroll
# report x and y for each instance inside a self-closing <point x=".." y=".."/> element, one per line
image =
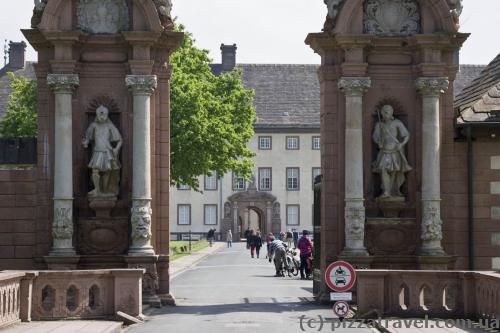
<point x="432" y="86"/>
<point x="63" y="83"/>
<point x="141" y="84"/>
<point x="391" y="17"/>
<point x="354" y="86"/>
<point x="102" y="16"/>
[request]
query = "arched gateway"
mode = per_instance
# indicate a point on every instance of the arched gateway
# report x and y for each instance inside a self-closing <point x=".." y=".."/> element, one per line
<point x="238" y="208"/>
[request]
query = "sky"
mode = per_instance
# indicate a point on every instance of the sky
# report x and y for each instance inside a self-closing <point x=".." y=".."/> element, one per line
<point x="273" y="31"/>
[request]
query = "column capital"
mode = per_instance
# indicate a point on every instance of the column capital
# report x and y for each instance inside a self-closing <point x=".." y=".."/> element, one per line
<point x="141" y="84"/>
<point x="64" y="83"/>
<point x="353" y="85"/>
<point x="432" y="86"/>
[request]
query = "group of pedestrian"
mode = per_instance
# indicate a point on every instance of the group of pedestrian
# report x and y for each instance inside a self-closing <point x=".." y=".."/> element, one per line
<point x="277" y="249"/>
<point x="254" y="242"/>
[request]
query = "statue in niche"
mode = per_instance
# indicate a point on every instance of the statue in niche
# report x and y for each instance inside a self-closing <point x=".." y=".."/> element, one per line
<point x="227" y="210"/>
<point x="391" y="136"/>
<point x="104" y="163"/>
<point x="252" y="183"/>
<point x="276" y="210"/>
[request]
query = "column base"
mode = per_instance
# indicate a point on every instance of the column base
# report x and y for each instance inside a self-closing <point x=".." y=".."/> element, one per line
<point x="62" y="262"/>
<point x="359" y="262"/>
<point x="434" y="262"/>
<point x="355" y="253"/>
<point x="62" y="252"/>
<point x="150" y="279"/>
<point x="432" y="252"/>
<point x="141" y="251"/>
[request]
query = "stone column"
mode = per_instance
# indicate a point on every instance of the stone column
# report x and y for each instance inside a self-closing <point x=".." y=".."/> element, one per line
<point x="62" y="226"/>
<point x="431" y="88"/>
<point x="236" y="234"/>
<point x="141" y="86"/>
<point x="354" y="212"/>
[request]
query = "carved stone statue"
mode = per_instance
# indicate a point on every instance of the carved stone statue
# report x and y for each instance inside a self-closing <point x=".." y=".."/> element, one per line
<point x="227" y="210"/>
<point x="276" y="209"/>
<point x="252" y="185"/>
<point x="164" y="8"/>
<point x="104" y="163"/>
<point x="391" y="136"/>
<point x="38" y="12"/>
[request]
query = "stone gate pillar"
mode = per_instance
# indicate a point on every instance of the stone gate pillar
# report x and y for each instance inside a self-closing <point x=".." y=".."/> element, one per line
<point x="353" y="88"/>
<point x="62" y="225"/>
<point x="141" y="86"/>
<point x="431" y="88"/>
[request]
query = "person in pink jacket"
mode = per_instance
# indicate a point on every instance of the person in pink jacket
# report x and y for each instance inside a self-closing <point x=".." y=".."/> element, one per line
<point x="306" y="248"/>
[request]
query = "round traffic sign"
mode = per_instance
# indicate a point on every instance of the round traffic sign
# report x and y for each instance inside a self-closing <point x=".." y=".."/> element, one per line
<point x="340" y="276"/>
<point x="341" y="308"/>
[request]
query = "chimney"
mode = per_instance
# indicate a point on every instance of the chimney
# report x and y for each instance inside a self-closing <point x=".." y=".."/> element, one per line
<point x="16" y="55"/>
<point x="228" y="57"/>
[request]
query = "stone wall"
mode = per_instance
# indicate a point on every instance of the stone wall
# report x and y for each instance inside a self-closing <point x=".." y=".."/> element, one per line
<point x="17" y="216"/>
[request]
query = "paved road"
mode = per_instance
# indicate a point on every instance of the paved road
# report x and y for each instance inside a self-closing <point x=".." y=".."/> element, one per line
<point x="231" y="292"/>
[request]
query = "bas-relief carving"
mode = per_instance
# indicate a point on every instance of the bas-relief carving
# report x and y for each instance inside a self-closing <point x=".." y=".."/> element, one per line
<point x="355" y="222"/>
<point x="104" y="163"/>
<point x="391" y="136"/>
<point x="431" y="221"/>
<point x="391" y="17"/>
<point x="102" y="16"/>
<point x="141" y="222"/>
<point x="62" y="228"/>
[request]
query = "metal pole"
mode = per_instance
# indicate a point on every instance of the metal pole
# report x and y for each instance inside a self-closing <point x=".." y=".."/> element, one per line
<point x="189" y="241"/>
<point x="470" y="197"/>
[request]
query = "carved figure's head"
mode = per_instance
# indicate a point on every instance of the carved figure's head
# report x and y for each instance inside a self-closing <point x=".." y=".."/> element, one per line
<point x="387" y="112"/>
<point x="101" y="114"/>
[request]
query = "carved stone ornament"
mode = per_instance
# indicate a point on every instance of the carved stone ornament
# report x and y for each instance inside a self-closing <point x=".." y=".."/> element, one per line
<point x="334" y="7"/>
<point x="391" y="17"/>
<point x="354" y="86"/>
<point x="38" y="12"/>
<point x="141" y="222"/>
<point x="164" y="8"/>
<point x="62" y="227"/>
<point x="141" y="84"/>
<point x="431" y="221"/>
<point x="102" y="16"/>
<point x="432" y="86"/>
<point x="63" y="82"/>
<point x="355" y="222"/>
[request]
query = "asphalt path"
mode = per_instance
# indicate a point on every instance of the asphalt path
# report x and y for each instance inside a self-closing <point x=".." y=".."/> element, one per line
<point x="231" y="292"/>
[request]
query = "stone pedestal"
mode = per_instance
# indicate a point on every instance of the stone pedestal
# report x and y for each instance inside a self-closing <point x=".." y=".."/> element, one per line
<point x="354" y="212"/>
<point x="150" y="279"/>
<point x="62" y="263"/>
<point x="102" y="206"/>
<point x="434" y="262"/>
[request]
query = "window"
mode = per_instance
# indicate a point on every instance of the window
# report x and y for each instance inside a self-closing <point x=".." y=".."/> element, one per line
<point x="292" y="142"/>
<point x="316" y="143"/>
<point x="265" y="143"/>
<point x="211" y="182"/>
<point x="183" y="187"/>
<point x="292" y="179"/>
<point x="292" y="215"/>
<point x="210" y="214"/>
<point x="265" y="180"/>
<point x="183" y="214"/>
<point x="238" y="183"/>
<point x="315" y="172"/>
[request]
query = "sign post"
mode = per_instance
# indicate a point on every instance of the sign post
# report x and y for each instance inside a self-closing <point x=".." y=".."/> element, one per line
<point x="340" y="277"/>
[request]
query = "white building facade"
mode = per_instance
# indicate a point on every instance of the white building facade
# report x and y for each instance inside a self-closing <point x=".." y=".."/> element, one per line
<point x="287" y="147"/>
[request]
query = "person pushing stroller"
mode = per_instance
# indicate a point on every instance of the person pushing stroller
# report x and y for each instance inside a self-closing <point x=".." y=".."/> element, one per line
<point x="277" y="251"/>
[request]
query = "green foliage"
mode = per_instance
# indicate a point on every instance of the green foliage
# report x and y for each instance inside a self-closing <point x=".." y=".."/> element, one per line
<point x="20" y="120"/>
<point x="211" y="118"/>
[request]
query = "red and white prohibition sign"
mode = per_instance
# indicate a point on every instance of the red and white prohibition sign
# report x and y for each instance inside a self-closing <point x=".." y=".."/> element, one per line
<point x="340" y="276"/>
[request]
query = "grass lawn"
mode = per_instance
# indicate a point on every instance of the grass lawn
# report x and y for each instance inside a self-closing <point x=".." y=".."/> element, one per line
<point x="176" y="251"/>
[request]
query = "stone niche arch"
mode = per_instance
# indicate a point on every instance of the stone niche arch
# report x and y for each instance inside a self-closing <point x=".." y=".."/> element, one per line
<point x="58" y="15"/>
<point x="436" y="16"/>
<point x="241" y="203"/>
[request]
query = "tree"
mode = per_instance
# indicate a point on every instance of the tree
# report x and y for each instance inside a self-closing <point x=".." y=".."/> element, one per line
<point x="20" y="120"/>
<point x="212" y="118"/>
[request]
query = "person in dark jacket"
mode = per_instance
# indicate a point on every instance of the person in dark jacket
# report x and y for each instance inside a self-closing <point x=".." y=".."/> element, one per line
<point x="295" y="237"/>
<point x="252" y="243"/>
<point x="258" y="243"/>
<point x="306" y="249"/>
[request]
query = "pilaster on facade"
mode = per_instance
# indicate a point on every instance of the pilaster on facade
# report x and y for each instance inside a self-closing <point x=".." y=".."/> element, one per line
<point x="141" y="86"/>
<point x="63" y="86"/>
<point x="354" y="211"/>
<point x="431" y="89"/>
